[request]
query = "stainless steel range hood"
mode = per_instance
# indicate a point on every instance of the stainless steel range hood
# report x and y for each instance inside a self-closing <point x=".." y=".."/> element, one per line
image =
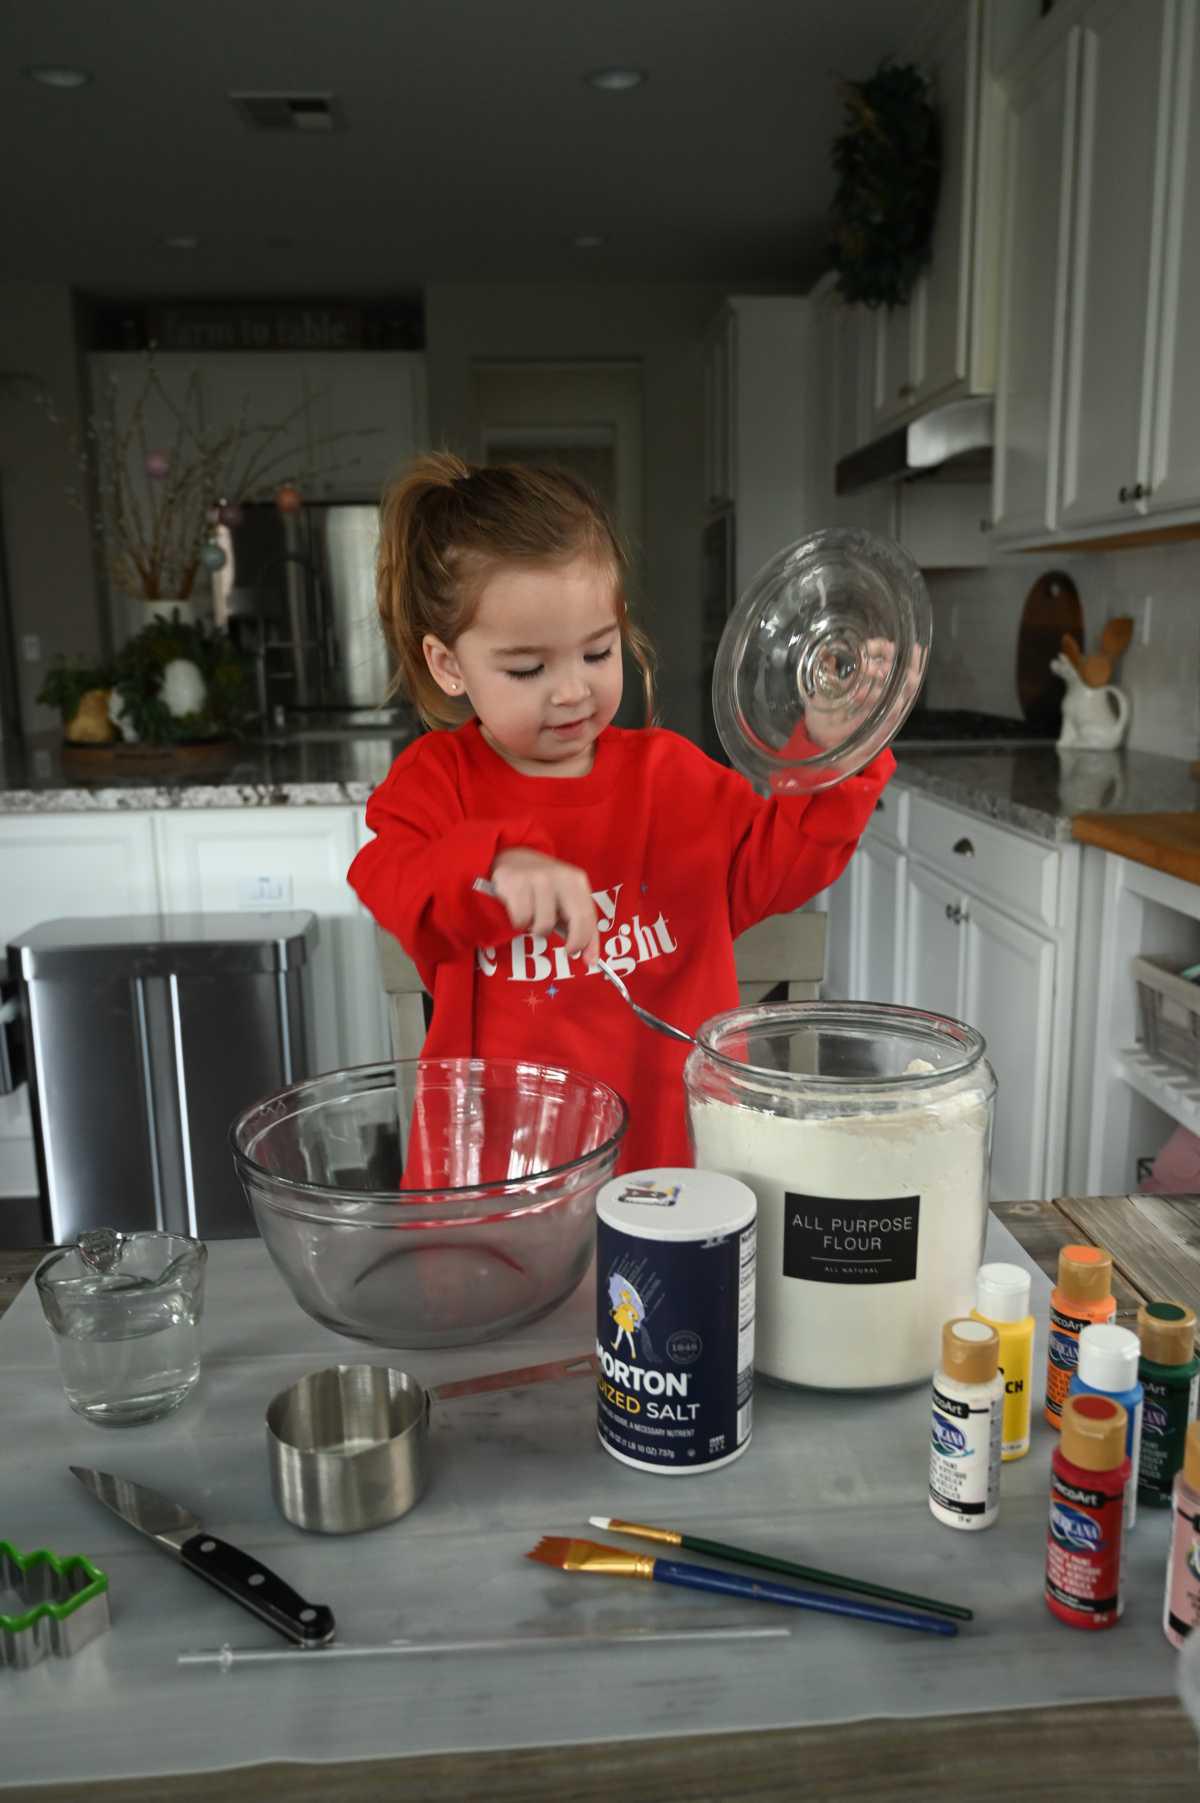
<point x="955" y="438"/>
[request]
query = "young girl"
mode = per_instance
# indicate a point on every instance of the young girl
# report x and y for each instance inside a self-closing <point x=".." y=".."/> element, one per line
<point x="501" y="595"/>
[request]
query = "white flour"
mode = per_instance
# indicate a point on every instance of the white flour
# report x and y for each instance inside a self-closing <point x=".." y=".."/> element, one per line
<point x="857" y="1334"/>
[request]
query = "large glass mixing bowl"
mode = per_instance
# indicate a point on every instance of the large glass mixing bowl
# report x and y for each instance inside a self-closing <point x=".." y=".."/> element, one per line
<point x="821" y="660"/>
<point x="430" y="1202"/>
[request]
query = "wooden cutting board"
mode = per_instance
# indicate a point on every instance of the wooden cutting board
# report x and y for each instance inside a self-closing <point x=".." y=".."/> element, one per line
<point x="1052" y="607"/>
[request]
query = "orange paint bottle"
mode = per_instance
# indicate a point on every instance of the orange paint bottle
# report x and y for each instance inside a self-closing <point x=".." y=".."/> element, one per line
<point x="1082" y="1296"/>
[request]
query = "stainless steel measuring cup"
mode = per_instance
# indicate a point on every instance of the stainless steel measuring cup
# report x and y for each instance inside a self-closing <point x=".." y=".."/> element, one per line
<point x="349" y="1446"/>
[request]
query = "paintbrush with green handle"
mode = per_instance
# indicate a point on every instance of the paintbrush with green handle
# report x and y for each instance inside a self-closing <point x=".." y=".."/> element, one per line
<point x="741" y="1555"/>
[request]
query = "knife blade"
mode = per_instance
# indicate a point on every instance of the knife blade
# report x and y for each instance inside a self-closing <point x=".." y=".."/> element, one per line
<point x="228" y="1569"/>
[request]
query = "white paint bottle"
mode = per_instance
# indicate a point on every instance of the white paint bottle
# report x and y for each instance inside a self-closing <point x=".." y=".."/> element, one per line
<point x="968" y="1418"/>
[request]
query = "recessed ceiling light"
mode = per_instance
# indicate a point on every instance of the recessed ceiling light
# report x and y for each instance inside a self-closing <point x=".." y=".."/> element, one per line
<point x="55" y="75"/>
<point x="182" y="241"/>
<point x="588" y="240"/>
<point x="615" y="81"/>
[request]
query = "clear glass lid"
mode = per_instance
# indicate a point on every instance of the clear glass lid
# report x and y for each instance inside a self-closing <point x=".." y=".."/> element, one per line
<point x="821" y="660"/>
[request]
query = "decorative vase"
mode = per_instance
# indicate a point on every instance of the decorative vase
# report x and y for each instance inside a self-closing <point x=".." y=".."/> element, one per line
<point x="139" y="611"/>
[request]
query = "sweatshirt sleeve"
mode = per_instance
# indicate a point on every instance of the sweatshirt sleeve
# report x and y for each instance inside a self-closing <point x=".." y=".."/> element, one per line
<point x="417" y="875"/>
<point x="787" y="849"/>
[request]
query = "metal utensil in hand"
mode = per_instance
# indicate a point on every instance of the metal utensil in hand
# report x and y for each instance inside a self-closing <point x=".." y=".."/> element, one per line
<point x="485" y="887"/>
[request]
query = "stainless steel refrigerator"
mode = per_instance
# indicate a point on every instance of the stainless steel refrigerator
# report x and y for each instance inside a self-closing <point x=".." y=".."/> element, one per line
<point x="301" y="602"/>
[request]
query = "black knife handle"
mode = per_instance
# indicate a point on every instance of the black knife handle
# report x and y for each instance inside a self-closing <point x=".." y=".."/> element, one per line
<point x="258" y="1589"/>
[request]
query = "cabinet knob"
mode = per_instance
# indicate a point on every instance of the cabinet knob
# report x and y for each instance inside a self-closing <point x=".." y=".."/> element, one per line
<point x="904" y="390"/>
<point x="879" y="806"/>
<point x="949" y="912"/>
<point x="964" y="849"/>
<point x="1140" y="491"/>
<point x="955" y="913"/>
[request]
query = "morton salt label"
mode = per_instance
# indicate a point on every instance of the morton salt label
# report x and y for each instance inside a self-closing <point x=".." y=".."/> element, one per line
<point x="675" y="1318"/>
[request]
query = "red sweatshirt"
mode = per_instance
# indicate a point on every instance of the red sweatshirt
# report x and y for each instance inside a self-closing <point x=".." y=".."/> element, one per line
<point x="682" y="856"/>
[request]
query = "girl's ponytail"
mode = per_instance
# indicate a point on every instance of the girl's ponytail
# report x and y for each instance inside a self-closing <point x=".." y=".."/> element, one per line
<point x="411" y="578"/>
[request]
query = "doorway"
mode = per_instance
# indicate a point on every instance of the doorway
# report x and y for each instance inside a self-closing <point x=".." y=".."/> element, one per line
<point x="581" y="417"/>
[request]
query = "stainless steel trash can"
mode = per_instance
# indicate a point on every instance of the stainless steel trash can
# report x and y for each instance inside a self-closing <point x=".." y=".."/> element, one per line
<point x="144" y="1037"/>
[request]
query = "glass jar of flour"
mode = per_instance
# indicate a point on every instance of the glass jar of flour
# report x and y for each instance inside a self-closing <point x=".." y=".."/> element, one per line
<point x="865" y="1133"/>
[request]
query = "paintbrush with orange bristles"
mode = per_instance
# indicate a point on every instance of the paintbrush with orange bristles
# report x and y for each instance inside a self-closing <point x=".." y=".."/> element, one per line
<point x="788" y="1568"/>
<point x="617" y="1562"/>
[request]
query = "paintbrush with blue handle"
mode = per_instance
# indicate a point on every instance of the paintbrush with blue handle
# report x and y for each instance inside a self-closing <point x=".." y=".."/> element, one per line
<point x="617" y="1562"/>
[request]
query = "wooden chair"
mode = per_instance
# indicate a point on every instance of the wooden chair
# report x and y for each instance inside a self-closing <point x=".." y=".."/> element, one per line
<point x="785" y="952"/>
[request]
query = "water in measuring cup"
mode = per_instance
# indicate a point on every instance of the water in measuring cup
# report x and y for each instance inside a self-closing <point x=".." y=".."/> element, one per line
<point x="128" y="1354"/>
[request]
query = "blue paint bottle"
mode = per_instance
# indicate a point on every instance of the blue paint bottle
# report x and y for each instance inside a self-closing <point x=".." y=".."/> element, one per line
<point x="1108" y="1366"/>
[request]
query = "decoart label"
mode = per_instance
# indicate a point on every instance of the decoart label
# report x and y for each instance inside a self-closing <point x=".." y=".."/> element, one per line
<point x="829" y="1240"/>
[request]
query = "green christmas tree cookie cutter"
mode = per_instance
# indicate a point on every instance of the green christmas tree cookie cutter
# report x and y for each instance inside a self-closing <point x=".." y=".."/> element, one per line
<point x="64" y="1605"/>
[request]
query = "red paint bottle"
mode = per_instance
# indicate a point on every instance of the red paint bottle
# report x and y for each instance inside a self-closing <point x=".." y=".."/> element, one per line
<point x="1085" y="1543"/>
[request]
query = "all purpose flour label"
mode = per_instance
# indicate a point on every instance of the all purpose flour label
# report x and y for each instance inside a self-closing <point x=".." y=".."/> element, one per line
<point x="827" y="1239"/>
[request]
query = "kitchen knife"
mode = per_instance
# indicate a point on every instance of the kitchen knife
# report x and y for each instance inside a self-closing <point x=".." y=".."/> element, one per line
<point x="242" y="1578"/>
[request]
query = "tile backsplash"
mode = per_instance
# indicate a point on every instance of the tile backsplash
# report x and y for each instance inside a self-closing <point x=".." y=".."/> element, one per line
<point x="977" y="614"/>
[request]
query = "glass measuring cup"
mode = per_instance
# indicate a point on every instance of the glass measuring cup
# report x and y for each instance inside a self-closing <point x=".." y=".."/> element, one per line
<point x="821" y="660"/>
<point x="125" y="1312"/>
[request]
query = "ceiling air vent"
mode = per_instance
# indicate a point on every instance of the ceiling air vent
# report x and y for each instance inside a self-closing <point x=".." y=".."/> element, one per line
<point x="288" y="112"/>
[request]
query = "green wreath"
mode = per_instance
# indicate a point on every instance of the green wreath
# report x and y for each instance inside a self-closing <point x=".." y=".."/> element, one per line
<point x="888" y="166"/>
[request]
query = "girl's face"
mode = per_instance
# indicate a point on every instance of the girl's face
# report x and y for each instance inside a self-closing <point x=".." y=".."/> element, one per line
<point x="540" y="664"/>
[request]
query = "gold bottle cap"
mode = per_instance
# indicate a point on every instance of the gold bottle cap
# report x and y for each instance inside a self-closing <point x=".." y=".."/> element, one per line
<point x="1085" y="1273"/>
<point x="1191" y="1456"/>
<point x="1167" y="1331"/>
<point x="970" y="1351"/>
<point x="1093" y="1432"/>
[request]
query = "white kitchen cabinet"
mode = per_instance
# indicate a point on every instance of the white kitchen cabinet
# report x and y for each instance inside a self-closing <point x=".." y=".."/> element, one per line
<point x="1008" y="996"/>
<point x="1097" y="433"/>
<point x="1134" y="1099"/>
<point x="882" y="918"/>
<point x="892" y="388"/>
<point x="347" y="419"/>
<point x="933" y="945"/>
<point x="371" y="416"/>
<point x="1174" y="478"/>
<point x="54" y="866"/>
<point x="213" y="860"/>
<point x="864" y="946"/>
<point x="1040" y="168"/>
<point x="1116" y="255"/>
<point x="849" y="330"/>
<point x="767" y="409"/>
<point x="720" y="426"/>
<point x="940" y="351"/>
<point x="945" y="911"/>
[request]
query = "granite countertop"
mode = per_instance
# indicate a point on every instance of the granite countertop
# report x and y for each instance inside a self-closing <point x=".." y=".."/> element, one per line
<point x="1040" y="790"/>
<point x="297" y="772"/>
<point x="1034" y="789"/>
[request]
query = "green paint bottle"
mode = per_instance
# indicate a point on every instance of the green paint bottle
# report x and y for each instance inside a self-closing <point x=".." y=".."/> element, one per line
<point x="1169" y="1371"/>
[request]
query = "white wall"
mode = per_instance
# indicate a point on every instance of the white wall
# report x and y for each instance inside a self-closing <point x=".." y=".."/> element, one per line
<point x="977" y="614"/>
<point x="661" y="326"/>
<point x="47" y="542"/>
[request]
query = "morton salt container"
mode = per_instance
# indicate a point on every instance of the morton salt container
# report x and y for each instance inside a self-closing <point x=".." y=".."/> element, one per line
<point x="675" y="1319"/>
<point x="865" y="1133"/>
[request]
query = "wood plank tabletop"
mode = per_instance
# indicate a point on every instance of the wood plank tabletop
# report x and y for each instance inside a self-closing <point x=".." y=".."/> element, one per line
<point x="1143" y="1748"/>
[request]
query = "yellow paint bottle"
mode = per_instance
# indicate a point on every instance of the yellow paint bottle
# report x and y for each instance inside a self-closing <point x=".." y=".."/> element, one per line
<point x="1002" y="1300"/>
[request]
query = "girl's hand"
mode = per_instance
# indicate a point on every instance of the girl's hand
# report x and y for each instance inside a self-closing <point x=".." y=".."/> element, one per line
<point x="829" y="723"/>
<point x="541" y="895"/>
